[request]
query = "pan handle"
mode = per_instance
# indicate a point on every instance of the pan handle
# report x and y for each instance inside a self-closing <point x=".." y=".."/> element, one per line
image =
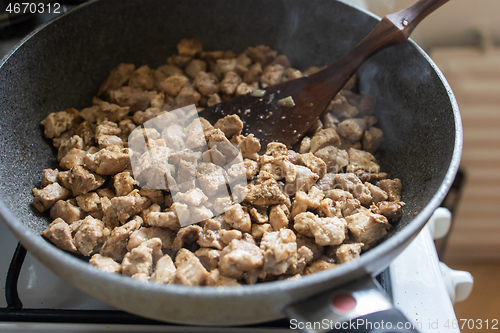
<point x="361" y="306"/>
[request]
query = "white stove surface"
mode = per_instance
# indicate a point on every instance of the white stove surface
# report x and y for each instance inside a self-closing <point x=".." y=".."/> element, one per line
<point x="417" y="286"/>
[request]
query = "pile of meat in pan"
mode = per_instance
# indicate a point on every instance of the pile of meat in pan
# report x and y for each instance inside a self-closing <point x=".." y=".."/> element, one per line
<point x="302" y="211"/>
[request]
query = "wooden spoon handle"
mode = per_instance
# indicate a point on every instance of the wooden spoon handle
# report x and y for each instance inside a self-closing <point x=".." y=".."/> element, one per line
<point x="393" y="29"/>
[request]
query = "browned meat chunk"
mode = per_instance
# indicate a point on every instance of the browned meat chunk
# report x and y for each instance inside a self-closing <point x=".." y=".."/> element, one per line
<point x="142" y="78"/>
<point x="392" y="187"/>
<point x="304" y="179"/>
<point x="73" y="158"/>
<point x="58" y="122"/>
<point x="164" y="270"/>
<point x="258" y="230"/>
<point x="279" y="216"/>
<point x="230" y="82"/>
<point x="230" y="125"/>
<point x="136" y="99"/>
<point x="190" y="271"/>
<point x="367" y="228"/>
<point x="316" y="164"/>
<point x="323" y="138"/>
<point x="88" y="202"/>
<point x="377" y="193"/>
<point x="244" y="89"/>
<point x="209" y="258"/>
<point x="372" y="139"/>
<point x="83" y="181"/>
<point x="362" y="160"/>
<point x="212" y="178"/>
<point x="280" y="251"/>
<point x="347" y="182"/>
<point x="217" y="280"/>
<point x="318" y="266"/>
<point x="238" y="218"/>
<point x="189" y="47"/>
<point x="392" y="210"/>
<point x="49" y="177"/>
<point x="105" y="264"/>
<point x="348" y="252"/>
<point x="352" y="129"/>
<point x="266" y="193"/>
<point x="155" y="196"/>
<point x="144" y="234"/>
<point x="340" y="107"/>
<point x="108" y="161"/>
<point x="122" y="208"/>
<point x="59" y="234"/>
<point x="173" y="84"/>
<point x="334" y="158"/>
<point x="259" y="214"/>
<point x="189" y="234"/>
<point x="261" y="54"/>
<point x="194" y="67"/>
<point x="303" y="202"/>
<point x="272" y="74"/>
<point x="187" y="96"/>
<point x="238" y="257"/>
<point x="325" y="230"/>
<point x="253" y="73"/>
<point x="65" y="146"/>
<point x="117" y="78"/>
<point x="90" y="235"/>
<point x="123" y="183"/>
<point x="48" y="196"/>
<point x="141" y="258"/>
<point x="116" y="245"/>
<point x="66" y="211"/>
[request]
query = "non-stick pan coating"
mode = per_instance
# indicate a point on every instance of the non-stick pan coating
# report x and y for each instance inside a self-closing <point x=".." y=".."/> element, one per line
<point x="63" y="64"/>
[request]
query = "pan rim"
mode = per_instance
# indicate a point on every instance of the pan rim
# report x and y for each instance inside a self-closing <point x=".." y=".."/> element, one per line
<point x="44" y="248"/>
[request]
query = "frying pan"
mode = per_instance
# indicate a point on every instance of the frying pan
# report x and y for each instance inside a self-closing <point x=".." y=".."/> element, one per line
<point x="61" y="65"/>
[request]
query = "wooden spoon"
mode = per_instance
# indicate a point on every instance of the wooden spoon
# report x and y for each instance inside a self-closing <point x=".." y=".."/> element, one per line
<point x="273" y="116"/>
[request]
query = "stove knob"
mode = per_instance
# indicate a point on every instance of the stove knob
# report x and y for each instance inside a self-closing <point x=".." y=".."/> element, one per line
<point x="439" y="223"/>
<point x="458" y="283"/>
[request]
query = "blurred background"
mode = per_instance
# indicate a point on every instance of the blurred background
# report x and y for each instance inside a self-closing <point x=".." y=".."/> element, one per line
<point x="462" y="38"/>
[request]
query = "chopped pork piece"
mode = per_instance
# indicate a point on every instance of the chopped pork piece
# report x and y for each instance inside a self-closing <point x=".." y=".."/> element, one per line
<point x="229" y="84"/>
<point x="141" y="258"/>
<point x="279" y="216"/>
<point x="392" y="210"/>
<point x="173" y="84"/>
<point x="392" y="187"/>
<point x="352" y="206"/>
<point x="155" y="196"/>
<point x="303" y="181"/>
<point x="116" y="245"/>
<point x="377" y="193"/>
<point x="348" y="252"/>
<point x="367" y="228"/>
<point x="325" y="230"/>
<point x="334" y="158"/>
<point x="144" y="234"/>
<point x="362" y="160"/>
<point x="323" y="138"/>
<point x="88" y="202"/>
<point x="258" y="230"/>
<point x="346" y="182"/>
<point x="164" y="270"/>
<point x="120" y="209"/>
<point x="194" y="197"/>
<point x="372" y="139"/>
<point x="303" y="202"/>
<point x="338" y="195"/>
<point x="340" y="107"/>
<point x="49" y="177"/>
<point x="329" y="208"/>
<point x="210" y="235"/>
<point x="142" y="78"/>
<point x="83" y="181"/>
<point x="188" y="234"/>
<point x="134" y="98"/>
<point x="74" y="142"/>
<point x="187" y="96"/>
<point x="117" y="78"/>
<point x="238" y="218"/>
<point x="317" y="266"/>
<point x="266" y="193"/>
<point x="212" y="178"/>
<point x="48" y="196"/>
<point x="108" y="161"/>
<point x="230" y="125"/>
<point x="227" y="236"/>
<point x="58" y="122"/>
<point x="123" y="183"/>
<point x="105" y="264"/>
<point x="66" y="211"/>
<point x="272" y="74"/>
<point x="250" y="146"/>
<point x="190" y="271"/>
<point x="316" y="164"/>
<point x="238" y="257"/>
<point x="90" y="235"/>
<point x="259" y="214"/>
<point x="189" y="47"/>
<point x="217" y="280"/>
<point x="261" y="54"/>
<point x="352" y="129"/>
<point x="209" y="258"/>
<point x="280" y="251"/>
<point x="59" y="234"/>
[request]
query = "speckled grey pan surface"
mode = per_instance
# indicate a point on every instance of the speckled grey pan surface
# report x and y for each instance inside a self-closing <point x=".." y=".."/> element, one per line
<point x="62" y="65"/>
